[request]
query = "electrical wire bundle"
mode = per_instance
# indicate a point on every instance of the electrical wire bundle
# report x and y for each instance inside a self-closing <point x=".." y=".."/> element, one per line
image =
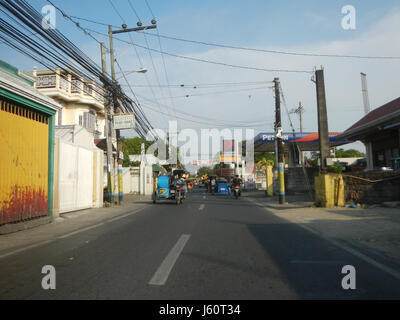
<point x="22" y="30"/>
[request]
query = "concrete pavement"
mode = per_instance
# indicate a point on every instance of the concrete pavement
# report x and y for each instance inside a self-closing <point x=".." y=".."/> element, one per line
<point x="211" y="247"/>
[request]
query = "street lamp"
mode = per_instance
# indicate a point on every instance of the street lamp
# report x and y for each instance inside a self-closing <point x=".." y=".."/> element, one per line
<point x="141" y="70"/>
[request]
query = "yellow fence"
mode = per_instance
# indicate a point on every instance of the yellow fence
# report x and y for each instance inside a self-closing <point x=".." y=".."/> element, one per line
<point x="24" y="138"/>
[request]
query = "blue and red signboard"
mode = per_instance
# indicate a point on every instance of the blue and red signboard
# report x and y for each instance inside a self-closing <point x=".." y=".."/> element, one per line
<point x="311" y="137"/>
<point x="228" y="146"/>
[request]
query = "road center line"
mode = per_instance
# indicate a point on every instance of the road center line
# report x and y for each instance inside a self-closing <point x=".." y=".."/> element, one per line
<point x="163" y="271"/>
<point x="316" y="262"/>
<point x="202" y="206"/>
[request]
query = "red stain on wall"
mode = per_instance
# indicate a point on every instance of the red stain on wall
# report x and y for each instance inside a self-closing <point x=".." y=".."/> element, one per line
<point x="25" y="203"/>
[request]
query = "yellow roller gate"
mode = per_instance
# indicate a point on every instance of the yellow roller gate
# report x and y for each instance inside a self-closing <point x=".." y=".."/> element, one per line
<point x="24" y="162"/>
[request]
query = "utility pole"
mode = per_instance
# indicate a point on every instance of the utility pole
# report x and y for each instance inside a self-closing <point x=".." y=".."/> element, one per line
<point x="300" y="111"/>
<point x="367" y="106"/>
<point x="118" y="136"/>
<point x="322" y="119"/>
<point x="278" y="138"/>
<point x="118" y="198"/>
<point x="108" y="116"/>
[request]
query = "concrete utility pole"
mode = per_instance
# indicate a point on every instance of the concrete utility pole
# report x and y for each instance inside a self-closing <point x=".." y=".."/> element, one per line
<point x="118" y="199"/>
<point x="278" y="138"/>
<point x="108" y="115"/>
<point x="300" y="111"/>
<point x="118" y="136"/>
<point x="367" y="106"/>
<point x="322" y="119"/>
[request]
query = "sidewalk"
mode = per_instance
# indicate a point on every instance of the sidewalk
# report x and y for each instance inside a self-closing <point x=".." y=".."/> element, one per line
<point x="69" y="223"/>
<point x="374" y="230"/>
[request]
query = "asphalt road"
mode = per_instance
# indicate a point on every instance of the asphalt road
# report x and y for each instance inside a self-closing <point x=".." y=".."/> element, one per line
<point x="211" y="247"/>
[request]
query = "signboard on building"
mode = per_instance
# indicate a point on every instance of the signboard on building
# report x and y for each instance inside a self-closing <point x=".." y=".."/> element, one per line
<point x="202" y="162"/>
<point x="228" y="146"/>
<point x="228" y="159"/>
<point x="124" y="121"/>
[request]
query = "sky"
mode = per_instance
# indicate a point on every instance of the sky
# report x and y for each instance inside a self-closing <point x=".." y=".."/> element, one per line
<point x="296" y="26"/>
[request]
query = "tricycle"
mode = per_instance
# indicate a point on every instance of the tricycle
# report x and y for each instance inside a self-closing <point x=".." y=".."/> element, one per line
<point x="169" y="188"/>
<point x="223" y="186"/>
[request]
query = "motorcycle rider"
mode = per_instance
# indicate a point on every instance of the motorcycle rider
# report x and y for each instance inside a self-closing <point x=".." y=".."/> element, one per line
<point x="213" y="184"/>
<point x="236" y="181"/>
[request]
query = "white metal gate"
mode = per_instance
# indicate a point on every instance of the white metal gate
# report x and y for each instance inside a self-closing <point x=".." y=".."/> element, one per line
<point x="75" y="177"/>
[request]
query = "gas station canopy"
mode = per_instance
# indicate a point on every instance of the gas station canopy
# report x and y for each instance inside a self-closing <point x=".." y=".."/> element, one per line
<point x="309" y="141"/>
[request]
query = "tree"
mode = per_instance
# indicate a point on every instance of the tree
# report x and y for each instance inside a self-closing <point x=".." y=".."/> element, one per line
<point x="263" y="163"/>
<point x="350" y="153"/>
<point x="258" y="156"/>
<point x="219" y="165"/>
<point x="132" y="146"/>
<point x="204" y="170"/>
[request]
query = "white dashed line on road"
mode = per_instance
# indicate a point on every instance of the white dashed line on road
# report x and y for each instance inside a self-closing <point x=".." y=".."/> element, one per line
<point x="202" y="206"/>
<point x="316" y="262"/>
<point x="163" y="271"/>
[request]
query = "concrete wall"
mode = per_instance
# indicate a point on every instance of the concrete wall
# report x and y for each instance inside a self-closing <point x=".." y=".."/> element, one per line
<point x="359" y="187"/>
<point x="130" y="181"/>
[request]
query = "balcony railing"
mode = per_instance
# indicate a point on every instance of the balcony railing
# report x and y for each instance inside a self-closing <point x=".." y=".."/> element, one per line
<point x="73" y="86"/>
<point x="46" y="81"/>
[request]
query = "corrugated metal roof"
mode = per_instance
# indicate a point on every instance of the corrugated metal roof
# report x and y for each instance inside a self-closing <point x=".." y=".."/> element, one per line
<point x="378" y="113"/>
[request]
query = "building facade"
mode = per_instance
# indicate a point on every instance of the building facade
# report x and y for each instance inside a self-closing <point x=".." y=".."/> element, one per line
<point x="27" y="120"/>
<point x="82" y="100"/>
<point x="379" y="130"/>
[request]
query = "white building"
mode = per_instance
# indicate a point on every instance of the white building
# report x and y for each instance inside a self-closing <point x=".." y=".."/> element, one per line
<point x="82" y="99"/>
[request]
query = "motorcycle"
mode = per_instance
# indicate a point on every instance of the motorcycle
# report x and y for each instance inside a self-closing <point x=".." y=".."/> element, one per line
<point x="236" y="191"/>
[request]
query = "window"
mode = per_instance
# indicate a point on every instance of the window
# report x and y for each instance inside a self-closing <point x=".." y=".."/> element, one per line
<point x="88" y="121"/>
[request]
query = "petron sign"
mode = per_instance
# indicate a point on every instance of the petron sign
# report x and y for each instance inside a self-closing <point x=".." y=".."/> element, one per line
<point x="298" y="137"/>
<point x="307" y="141"/>
<point x="124" y="121"/>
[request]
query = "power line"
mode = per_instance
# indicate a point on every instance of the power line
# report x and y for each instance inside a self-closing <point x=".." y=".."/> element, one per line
<point x="220" y="92"/>
<point x="209" y="61"/>
<point x="207" y="85"/>
<point x="137" y="54"/>
<point x="305" y="54"/>
<point x="209" y="121"/>
<point x="151" y="58"/>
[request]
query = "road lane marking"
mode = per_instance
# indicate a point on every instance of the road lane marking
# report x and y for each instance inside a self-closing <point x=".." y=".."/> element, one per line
<point x="80" y="230"/>
<point x="69" y="234"/>
<point x="316" y="262"/>
<point x="359" y="255"/>
<point x="25" y="248"/>
<point x="125" y="215"/>
<point x="163" y="271"/>
<point x="202" y="206"/>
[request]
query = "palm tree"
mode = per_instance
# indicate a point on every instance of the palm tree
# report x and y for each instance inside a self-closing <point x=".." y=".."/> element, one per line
<point x="263" y="164"/>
